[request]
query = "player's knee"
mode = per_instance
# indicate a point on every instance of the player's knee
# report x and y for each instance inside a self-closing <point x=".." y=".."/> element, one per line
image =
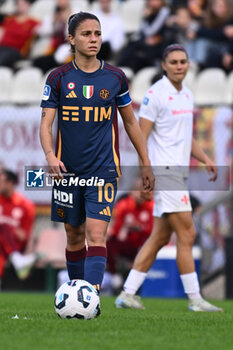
<point x="187" y="238"/>
<point x="96" y="237"/>
<point x="75" y="235"/>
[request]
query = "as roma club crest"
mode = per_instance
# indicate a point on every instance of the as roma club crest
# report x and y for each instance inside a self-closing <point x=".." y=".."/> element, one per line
<point x="88" y="91"/>
<point x="104" y="93"/>
<point x="60" y="213"/>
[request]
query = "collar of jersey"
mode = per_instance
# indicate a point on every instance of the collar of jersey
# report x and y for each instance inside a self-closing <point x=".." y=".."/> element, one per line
<point x="89" y="74"/>
<point x="171" y="87"/>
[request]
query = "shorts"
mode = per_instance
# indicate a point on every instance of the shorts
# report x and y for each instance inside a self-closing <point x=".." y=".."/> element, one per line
<point x="171" y="194"/>
<point x="72" y="204"/>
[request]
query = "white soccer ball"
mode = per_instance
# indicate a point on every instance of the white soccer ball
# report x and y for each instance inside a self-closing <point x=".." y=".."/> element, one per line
<point x="77" y="299"/>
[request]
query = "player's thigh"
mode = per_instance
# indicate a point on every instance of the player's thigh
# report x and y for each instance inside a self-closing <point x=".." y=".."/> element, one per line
<point x="161" y="232"/>
<point x="99" y="200"/>
<point x="96" y="232"/>
<point x="182" y="224"/>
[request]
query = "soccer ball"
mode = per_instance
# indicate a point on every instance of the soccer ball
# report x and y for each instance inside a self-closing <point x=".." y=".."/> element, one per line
<point x="77" y="299"/>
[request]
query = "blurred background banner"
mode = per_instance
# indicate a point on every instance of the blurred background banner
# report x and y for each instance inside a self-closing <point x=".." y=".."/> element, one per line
<point x="20" y="145"/>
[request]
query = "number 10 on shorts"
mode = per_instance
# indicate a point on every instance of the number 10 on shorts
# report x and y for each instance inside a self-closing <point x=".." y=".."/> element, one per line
<point x="106" y="191"/>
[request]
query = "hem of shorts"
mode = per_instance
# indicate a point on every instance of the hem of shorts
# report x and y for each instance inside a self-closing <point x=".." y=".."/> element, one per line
<point x="170" y="211"/>
<point x="67" y="221"/>
<point x="105" y="218"/>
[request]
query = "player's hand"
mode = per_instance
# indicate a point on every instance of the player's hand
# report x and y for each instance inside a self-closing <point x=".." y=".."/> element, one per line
<point x="55" y="166"/>
<point x="148" y="179"/>
<point x="212" y="170"/>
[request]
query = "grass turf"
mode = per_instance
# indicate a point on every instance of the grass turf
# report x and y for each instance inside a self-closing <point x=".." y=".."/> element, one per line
<point x="165" y="325"/>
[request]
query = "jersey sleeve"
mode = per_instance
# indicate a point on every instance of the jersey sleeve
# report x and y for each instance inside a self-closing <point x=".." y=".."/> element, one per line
<point x="50" y="98"/>
<point x="150" y="106"/>
<point x="123" y="98"/>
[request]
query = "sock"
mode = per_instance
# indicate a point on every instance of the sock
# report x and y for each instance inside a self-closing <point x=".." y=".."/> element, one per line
<point x="191" y="285"/>
<point x="75" y="263"/>
<point x="134" y="281"/>
<point x="95" y="264"/>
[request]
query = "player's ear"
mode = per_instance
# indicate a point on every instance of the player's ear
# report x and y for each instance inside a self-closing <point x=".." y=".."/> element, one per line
<point x="163" y="64"/>
<point x="71" y="39"/>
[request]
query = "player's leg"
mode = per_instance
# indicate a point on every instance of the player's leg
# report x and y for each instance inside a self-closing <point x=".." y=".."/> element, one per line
<point x="95" y="263"/>
<point x="75" y="250"/>
<point x="182" y="224"/>
<point x="118" y="249"/>
<point x="68" y="207"/>
<point x="159" y="237"/>
<point x="99" y="202"/>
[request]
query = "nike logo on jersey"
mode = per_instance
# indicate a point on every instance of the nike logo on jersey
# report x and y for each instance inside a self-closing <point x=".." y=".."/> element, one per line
<point x="105" y="211"/>
<point x="72" y="94"/>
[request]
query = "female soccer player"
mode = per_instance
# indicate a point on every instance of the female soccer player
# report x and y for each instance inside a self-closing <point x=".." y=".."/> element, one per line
<point x="86" y="94"/>
<point x="166" y="120"/>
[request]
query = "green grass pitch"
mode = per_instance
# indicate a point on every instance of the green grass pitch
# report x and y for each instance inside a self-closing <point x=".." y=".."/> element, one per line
<point x="165" y="325"/>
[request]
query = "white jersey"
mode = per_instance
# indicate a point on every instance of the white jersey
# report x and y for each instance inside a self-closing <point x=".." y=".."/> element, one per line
<point x="171" y="111"/>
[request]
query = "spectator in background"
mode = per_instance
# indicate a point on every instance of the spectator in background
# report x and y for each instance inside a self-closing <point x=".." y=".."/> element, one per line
<point x="58" y="51"/>
<point x="179" y="25"/>
<point x="227" y="58"/>
<point x="16" y="34"/>
<point x="196" y="8"/>
<point x="17" y="216"/>
<point x="144" y="51"/>
<point x="112" y="28"/>
<point x="211" y="39"/>
<point x="131" y="225"/>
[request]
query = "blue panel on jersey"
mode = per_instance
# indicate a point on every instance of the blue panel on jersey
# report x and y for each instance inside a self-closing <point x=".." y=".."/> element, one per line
<point x="123" y="100"/>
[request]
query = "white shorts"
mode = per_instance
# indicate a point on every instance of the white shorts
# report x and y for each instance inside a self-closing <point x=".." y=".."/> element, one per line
<point x="171" y="194"/>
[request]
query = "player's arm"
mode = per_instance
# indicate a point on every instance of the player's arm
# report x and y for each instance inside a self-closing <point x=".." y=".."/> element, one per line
<point x="198" y="153"/>
<point x="46" y="138"/>
<point x="146" y="127"/>
<point x="134" y="132"/>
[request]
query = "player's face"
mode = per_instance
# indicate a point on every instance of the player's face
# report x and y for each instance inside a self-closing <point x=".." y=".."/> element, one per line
<point x="87" y="39"/>
<point x="176" y="65"/>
